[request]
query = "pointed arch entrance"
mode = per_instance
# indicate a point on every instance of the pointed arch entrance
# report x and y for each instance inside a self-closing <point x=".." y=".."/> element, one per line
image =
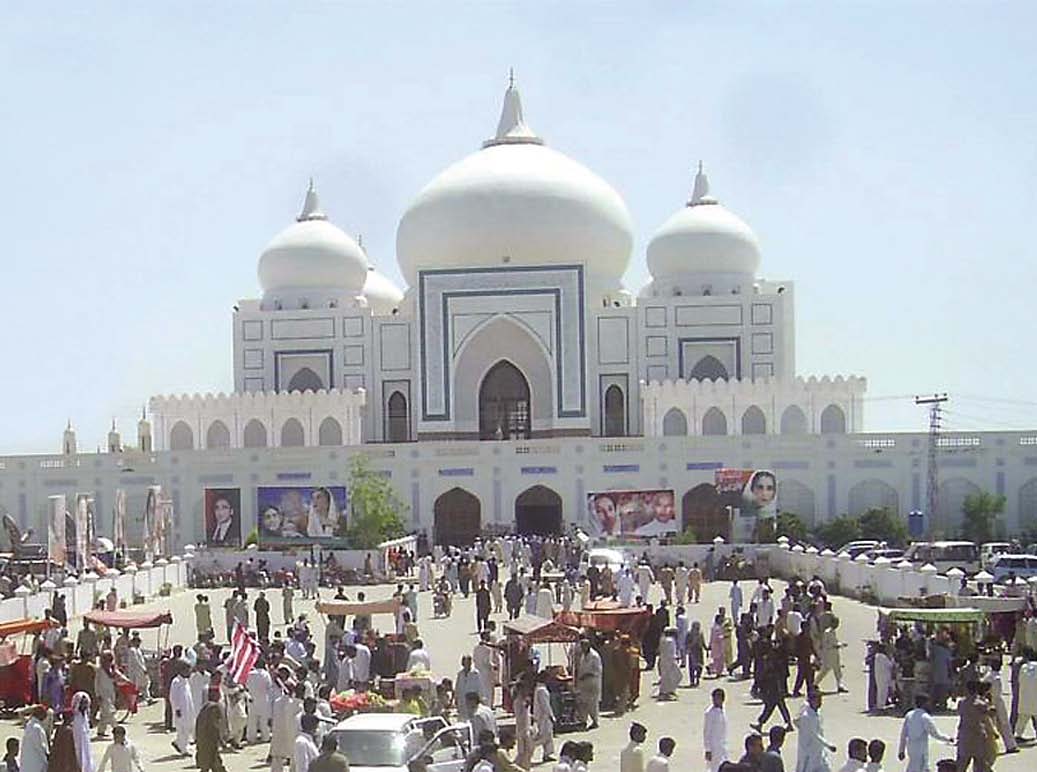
<point x="458" y="517"/>
<point x="702" y="512"/>
<point x="504" y="404"/>
<point x="538" y="510"/>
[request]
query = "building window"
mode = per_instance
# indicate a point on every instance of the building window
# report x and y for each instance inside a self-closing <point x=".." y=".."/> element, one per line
<point x="615" y="412"/>
<point x="397" y="419"/>
<point x="181" y="437"/>
<point x="675" y="423"/>
<point x="754" y="421"/>
<point x="714" y="422"/>
<point x="292" y="434"/>
<point x="217" y="436"/>
<point x="329" y="433"/>
<point x="254" y="435"/>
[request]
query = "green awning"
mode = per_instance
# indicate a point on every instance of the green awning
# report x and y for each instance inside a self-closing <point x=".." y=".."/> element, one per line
<point x="933" y="615"/>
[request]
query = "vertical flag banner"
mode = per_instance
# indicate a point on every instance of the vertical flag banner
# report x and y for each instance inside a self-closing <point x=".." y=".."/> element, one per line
<point x="82" y="520"/>
<point x="150" y="504"/>
<point x="56" y="530"/>
<point x="155" y="517"/>
<point x="119" y="522"/>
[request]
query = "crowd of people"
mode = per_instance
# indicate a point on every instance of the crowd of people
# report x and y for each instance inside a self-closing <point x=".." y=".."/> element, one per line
<point x="287" y="696"/>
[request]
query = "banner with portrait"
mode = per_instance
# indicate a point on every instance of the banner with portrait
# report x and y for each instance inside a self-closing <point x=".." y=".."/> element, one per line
<point x="222" y="517"/>
<point x="297" y="516"/>
<point x="56" y="544"/>
<point x="749" y="492"/>
<point x="633" y="513"/>
<point x="82" y="518"/>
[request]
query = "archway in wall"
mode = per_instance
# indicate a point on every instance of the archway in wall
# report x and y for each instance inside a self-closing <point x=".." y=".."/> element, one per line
<point x="457" y="517"/>
<point x="217" y="435"/>
<point x="714" y="422"/>
<point x="538" y="510"/>
<point x="1027" y="515"/>
<point x="305" y="380"/>
<point x="873" y="494"/>
<point x="329" y="432"/>
<point x="950" y="499"/>
<point x="709" y="368"/>
<point x="675" y="423"/>
<point x="254" y="435"/>
<point x="615" y="412"/>
<point x="181" y="437"/>
<point x="397" y="419"/>
<point x="702" y="512"/>
<point x="292" y="434"/>
<point x="793" y="420"/>
<point x="504" y="404"/>
<point x="833" y="420"/>
<point x="798" y="499"/>
<point x="754" y="421"/>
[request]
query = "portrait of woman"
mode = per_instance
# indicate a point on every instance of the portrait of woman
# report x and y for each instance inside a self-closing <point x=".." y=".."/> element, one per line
<point x="322" y="518"/>
<point x="761" y="493"/>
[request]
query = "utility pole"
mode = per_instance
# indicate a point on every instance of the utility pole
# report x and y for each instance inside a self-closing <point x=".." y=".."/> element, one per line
<point x="935" y="405"/>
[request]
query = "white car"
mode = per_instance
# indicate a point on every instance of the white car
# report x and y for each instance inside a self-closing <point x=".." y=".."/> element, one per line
<point x="386" y="742"/>
<point x="1019" y="566"/>
<point x="603" y="556"/>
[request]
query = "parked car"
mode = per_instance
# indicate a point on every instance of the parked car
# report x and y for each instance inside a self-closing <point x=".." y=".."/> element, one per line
<point x="992" y="549"/>
<point x="946" y="555"/>
<point x="604" y="556"/>
<point x="1006" y="564"/>
<point x="388" y="742"/>
<point x="890" y="554"/>
<point x="855" y="548"/>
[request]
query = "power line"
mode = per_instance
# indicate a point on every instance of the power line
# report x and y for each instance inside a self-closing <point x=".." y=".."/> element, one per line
<point x="935" y="405"/>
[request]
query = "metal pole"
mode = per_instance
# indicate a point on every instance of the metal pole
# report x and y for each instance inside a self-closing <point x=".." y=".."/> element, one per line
<point x="934" y="403"/>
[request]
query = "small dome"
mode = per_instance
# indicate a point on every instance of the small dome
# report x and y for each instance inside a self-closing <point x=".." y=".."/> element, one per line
<point x="381" y="294"/>
<point x="312" y="254"/>
<point x="516" y="202"/>
<point x="703" y="238"/>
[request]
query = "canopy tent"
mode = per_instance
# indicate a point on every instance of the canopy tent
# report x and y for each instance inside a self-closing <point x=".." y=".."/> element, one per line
<point x="607" y="616"/>
<point x="934" y="615"/>
<point x="534" y="629"/>
<point x="990" y="605"/>
<point x="25" y="627"/>
<point x="405" y="543"/>
<point x="341" y="608"/>
<point x="130" y="620"/>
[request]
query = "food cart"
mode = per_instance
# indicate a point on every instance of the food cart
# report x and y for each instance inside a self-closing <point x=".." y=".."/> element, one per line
<point x="126" y="692"/>
<point x="521" y="635"/>
<point x="16" y="664"/>
<point x="618" y="633"/>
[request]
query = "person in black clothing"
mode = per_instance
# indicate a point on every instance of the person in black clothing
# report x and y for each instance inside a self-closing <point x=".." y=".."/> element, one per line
<point x="653" y="635"/>
<point x="262" y="609"/>
<point x="805" y="655"/>
<point x="482" y="606"/>
<point x="594" y="577"/>
<point x="513" y="596"/>
<point x="743" y="646"/>
<point x="774" y="686"/>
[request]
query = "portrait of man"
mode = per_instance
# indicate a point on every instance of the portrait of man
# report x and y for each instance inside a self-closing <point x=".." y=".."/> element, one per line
<point x="223" y="517"/>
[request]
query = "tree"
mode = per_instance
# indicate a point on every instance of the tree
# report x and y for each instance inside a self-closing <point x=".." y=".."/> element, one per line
<point x="981" y="511"/>
<point x="687" y="536"/>
<point x="882" y="524"/>
<point x="835" y="533"/>
<point x="377" y="512"/>
<point x="789" y="524"/>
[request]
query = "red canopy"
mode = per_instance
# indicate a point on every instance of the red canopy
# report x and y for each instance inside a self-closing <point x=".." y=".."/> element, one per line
<point x="129" y="619"/>
<point x="609" y="617"/>
<point x="29" y="626"/>
<point x="534" y="629"/>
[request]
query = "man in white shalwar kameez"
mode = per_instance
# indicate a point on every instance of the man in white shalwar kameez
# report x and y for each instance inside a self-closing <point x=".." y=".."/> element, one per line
<point x="669" y="669"/>
<point x="487" y="662"/>
<point x="645" y="577"/>
<point x="261" y="690"/>
<point x="813" y="747"/>
<point x="545" y="602"/>
<point x="997" y="697"/>
<point x="35" y="748"/>
<point x="286" y="712"/>
<point x="917" y="728"/>
<point x="543" y="720"/>
<point x="625" y="588"/>
<point x="183" y="710"/>
<point x="714" y="732"/>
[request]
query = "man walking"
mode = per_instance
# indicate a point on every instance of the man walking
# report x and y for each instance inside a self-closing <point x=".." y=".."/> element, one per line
<point x="813" y="748"/>
<point x="588" y="680"/>
<point x="714" y="732"/>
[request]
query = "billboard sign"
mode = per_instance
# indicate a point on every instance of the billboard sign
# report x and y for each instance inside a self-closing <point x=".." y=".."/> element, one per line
<point x="749" y="492"/>
<point x="223" y="517"/>
<point x="633" y="513"/>
<point x="297" y="516"/>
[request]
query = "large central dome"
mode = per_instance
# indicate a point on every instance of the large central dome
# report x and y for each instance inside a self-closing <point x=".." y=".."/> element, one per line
<point x="516" y="202"/>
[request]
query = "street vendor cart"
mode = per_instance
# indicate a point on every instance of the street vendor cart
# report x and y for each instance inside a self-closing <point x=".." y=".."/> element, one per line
<point x="126" y="691"/>
<point x="617" y="633"/>
<point x="520" y="636"/>
<point x="16" y="662"/>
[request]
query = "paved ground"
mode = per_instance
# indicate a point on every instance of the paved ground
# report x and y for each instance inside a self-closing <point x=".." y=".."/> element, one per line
<point x="447" y="639"/>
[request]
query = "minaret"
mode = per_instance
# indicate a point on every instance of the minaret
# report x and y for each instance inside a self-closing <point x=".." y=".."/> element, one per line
<point x="144" y="432"/>
<point x="114" y="440"/>
<point x="68" y="441"/>
<point x="512" y="128"/>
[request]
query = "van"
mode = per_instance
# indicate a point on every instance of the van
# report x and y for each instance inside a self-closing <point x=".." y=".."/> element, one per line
<point x="945" y="555"/>
<point x="1005" y="564"/>
<point x="992" y="549"/>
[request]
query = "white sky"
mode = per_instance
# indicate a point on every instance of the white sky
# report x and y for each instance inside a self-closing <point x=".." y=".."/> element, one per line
<point x="883" y="152"/>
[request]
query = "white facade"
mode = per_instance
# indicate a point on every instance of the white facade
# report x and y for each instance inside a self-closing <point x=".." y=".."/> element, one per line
<point x="516" y="374"/>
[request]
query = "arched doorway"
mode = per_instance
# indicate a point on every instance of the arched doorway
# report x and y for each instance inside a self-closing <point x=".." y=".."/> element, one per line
<point x="615" y="412"/>
<point x="504" y="404"/>
<point x="702" y="512"/>
<point x="458" y="517"/>
<point x="305" y="380"/>
<point x="538" y="510"/>
<point x="397" y="419"/>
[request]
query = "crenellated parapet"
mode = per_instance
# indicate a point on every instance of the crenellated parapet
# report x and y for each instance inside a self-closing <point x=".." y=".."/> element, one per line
<point x="258" y="419"/>
<point x="812" y="405"/>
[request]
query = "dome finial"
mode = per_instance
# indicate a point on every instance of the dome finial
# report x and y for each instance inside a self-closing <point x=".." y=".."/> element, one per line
<point x="512" y="128"/>
<point x="311" y="205"/>
<point x="700" y="193"/>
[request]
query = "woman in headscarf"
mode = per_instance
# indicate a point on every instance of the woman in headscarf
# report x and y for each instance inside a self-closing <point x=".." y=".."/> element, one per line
<point x="717" y="663"/>
<point x="63" y="755"/>
<point x="323" y="515"/>
<point x="696" y="647"/>
<point x="81" y="730"/>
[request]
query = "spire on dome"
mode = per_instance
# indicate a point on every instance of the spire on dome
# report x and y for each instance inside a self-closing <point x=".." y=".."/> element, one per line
<point x="311" y="206"/>
<point x="512" y="128"/>
<point x="700" y="193"/>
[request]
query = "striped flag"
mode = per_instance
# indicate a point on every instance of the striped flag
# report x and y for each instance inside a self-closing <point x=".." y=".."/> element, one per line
<point x="244" y="651"/>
